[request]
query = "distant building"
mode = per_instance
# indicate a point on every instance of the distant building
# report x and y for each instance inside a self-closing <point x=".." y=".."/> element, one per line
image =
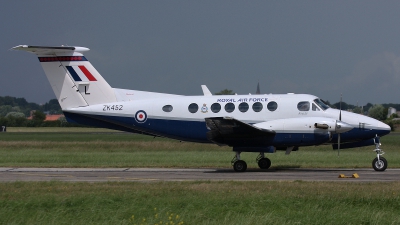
<point x="391" y="111"/>
<point x="53" y="117"/>
<point x="48" y="116"/>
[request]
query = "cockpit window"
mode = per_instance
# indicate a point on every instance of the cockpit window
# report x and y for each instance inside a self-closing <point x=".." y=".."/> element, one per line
<point x="321" y="104"/>
<point x="303" y="106"/>
<point x="315" y="108"/>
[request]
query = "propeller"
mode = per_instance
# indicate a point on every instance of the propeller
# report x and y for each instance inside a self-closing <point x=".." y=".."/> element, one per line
<point x="341" y="126"/>
<point x="340" y="120"/>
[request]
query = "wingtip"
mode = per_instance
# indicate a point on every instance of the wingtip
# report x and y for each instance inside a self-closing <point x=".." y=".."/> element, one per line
<point x="18" y="47"/>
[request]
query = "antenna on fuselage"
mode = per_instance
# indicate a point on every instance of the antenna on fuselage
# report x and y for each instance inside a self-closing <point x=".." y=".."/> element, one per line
<point x="258" y="88"/>
<point x="206" y="91"/>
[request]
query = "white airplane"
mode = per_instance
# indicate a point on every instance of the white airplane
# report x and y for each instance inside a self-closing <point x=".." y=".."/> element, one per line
<point x="247" y="123"/>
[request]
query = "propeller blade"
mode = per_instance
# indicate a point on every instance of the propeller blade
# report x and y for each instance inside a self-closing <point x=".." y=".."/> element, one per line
<point x="340" y="119"/>
<point x="340" y="113"/>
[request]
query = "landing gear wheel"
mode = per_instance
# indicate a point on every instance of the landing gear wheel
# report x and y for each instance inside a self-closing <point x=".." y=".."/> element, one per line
<point x="240" y="166"/>
<point x="379" y="165"/>
<point x="264" y="163"/>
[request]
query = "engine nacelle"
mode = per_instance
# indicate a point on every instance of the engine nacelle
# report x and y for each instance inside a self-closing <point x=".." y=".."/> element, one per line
<point x="301" y="131"/>
<point x="300" y="125"/>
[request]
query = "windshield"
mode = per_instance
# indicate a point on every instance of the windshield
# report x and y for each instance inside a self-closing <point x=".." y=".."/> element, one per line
<point x="321" y="104"/>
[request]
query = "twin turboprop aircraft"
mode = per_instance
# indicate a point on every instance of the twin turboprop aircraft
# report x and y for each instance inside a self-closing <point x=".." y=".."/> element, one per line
<point x="247" y="123"/>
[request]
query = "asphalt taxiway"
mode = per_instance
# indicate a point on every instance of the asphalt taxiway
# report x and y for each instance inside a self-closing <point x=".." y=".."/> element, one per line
<point x="167" y="174"/>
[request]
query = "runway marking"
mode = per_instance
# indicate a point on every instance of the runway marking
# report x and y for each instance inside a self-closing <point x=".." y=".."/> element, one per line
<point x="138" y="179"/>
<point x="43" y="175"/>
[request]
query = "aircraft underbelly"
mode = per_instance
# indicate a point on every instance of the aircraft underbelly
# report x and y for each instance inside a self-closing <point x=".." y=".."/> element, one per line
<point x="358" y="134"/>
<point x="300" y="139"/>
<point x="182" y="130"/>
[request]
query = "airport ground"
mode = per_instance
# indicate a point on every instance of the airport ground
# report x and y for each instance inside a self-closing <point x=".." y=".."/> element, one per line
<point x="221" y="197"/>
<point x="94" y="148"/>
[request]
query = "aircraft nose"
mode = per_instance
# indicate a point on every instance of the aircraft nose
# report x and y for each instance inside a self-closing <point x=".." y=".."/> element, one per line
<point x="379" y="127"/>
<point x="363" y="123"/>
<point x="342" y="127"/>
<point x="385" y="128"/>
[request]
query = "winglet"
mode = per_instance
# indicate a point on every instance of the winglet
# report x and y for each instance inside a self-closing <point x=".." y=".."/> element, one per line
<point x="206" y="92"/>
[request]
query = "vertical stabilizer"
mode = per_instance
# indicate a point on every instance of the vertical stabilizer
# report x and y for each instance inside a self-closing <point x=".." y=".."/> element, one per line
<point x="75" y="82"/>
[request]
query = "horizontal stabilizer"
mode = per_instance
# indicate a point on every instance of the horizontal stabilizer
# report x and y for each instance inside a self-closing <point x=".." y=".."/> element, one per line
<point x="46" y="50"/>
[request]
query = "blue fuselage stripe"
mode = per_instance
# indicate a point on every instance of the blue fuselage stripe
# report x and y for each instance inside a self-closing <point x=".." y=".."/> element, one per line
<point x="196" y="131"/>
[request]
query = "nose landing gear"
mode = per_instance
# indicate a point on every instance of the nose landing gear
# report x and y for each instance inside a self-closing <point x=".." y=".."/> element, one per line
<point x="379" y="163"/>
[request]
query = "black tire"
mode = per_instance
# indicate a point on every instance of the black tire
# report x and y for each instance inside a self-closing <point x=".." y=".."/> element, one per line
<point x="380" y="165"/>
<point x="264" y="163"/>
<point x="240" y="166"/>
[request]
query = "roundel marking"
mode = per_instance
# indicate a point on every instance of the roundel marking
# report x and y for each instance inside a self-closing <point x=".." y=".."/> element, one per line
<point x="140" y="116"/>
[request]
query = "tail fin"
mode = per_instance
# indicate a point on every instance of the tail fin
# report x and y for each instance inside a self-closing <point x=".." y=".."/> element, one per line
<point x="74" y="80"/>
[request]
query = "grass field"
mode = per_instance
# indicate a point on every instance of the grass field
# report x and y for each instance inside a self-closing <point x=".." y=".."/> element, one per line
<point x="89" y="147"/>
<point x="193" y="202"/>
<point x="200" y="203"/>
<point x="56" y="129"/>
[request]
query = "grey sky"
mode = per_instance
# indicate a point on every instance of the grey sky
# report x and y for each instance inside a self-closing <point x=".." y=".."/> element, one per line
<point x="317" y="47"/>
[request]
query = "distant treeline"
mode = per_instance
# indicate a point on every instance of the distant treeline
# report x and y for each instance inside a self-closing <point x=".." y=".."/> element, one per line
<point x="365" y="108"/>
<point x="15" y="121"/>
<point x="14" y="112"/>
<point x="12" y="104"/>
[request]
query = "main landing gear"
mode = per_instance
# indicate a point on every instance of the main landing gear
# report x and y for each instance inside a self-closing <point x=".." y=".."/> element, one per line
<point x="238" y="165"/>
<point x="379" y="163"/>
<point x="263" y="163"/>
<point x="241" y="166"/>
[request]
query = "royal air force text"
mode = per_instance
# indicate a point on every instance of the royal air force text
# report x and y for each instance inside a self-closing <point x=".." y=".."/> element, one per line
<point x="242" y="100"/>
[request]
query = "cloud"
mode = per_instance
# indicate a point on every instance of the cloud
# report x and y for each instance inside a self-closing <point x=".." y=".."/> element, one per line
<point x="380" y="71"/>
<point x="376" y="80"/>
<point x="285" y="85"/>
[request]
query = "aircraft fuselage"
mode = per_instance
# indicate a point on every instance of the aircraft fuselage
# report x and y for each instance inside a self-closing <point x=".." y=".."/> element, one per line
<point x="171" y="117"/>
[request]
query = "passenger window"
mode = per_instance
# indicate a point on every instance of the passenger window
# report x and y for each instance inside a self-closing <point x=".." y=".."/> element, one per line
<point x="243" y="107"/>
<point x="303" y="106"/>
<point x="315" y="108"/>
<point x="193" y="108"/>
<point x="272" y="106"/>
<point x="257" y="107"/>
<point x="167" y="108"/>
<point x="229" y="107"/>
<point x="216" y="107"/>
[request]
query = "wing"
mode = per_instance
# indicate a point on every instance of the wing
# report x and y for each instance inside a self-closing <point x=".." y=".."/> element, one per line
<point x="233" y="132"/>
